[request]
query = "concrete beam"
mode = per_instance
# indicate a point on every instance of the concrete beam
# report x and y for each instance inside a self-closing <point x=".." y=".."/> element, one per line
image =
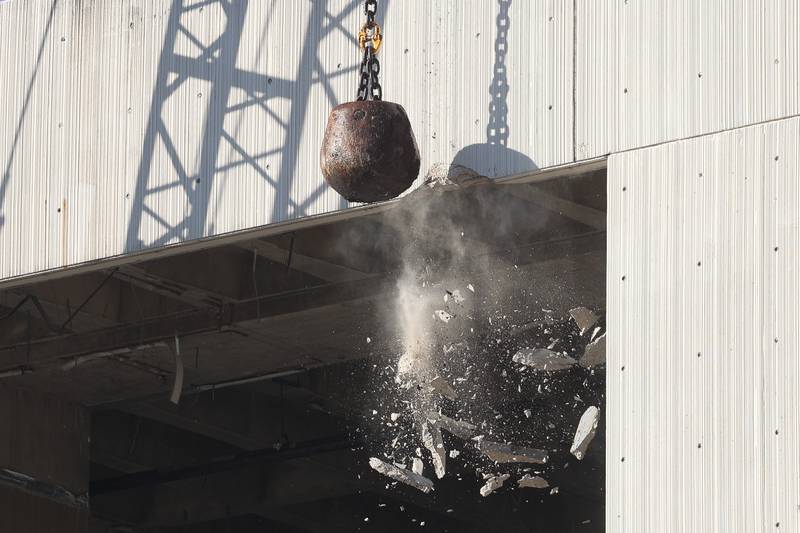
<point x="188" y="294"/>
<point x="577" y="256"/>
<point x="130" y="444"/>
<point x="319" y="268"/>
<point x="66" y="347"/>
<point x="580" y="213"/>
<point x="241" y="418"/>
<point x="210" y="495"/>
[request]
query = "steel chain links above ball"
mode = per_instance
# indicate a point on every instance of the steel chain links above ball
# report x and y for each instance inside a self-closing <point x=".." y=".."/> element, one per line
<point x="370" y="39"/>
<point x="369" y="152"/>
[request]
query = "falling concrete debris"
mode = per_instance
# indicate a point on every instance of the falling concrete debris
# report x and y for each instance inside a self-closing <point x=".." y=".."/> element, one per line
<point x="406" y="365"/>
<point x="459" y="428"/>
<point x="584" y="318"/>
<point x="471" y="288"/>
<point x="394" y="416"/>
<point x="455" y="347"/>
<point x="505" y="453"/>
<point x="177" y="384"/>
<point x="595" y="353"/>
<point x="585" y="432"/>
<point x="457" y="298"/>
<point x="528" y="413"/>
<point x="403" y="476"/>
<point x="441" y="386"/>
<point x="543" y="359"/>
<point x="432" y="440"/>
<point x="444" y="316"/>
<point x="446" y="176"/>
<point x="417" y="466"/>
<point x="532" y="482"/>
<point x="494" y="483"/>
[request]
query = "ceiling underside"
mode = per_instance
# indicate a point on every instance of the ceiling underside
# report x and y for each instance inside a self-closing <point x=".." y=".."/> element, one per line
<point x="275" y="339"/>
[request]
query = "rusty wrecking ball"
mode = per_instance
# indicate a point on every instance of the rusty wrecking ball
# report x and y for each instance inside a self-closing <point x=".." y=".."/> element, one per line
<point x="369" y="152"/>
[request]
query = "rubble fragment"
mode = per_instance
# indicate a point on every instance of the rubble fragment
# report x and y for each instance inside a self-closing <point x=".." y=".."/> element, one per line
<point x="455" y="347"/>
<point x="403" y="476"/>
<point x="441" y="386"/>
<point x="432" y="440"/>
<point x="532" y="482"/>
<point x="585" y="432"/>
<point x="504" y="453"/>
<point x="417" y="466"/>
<point x="442" y="176"/>
<point x="457" y="297"/>
<point x="543" y="359"/>
<point x="494" y="483"/>
<point x="459" y="428"/>
<point x="595" y="353"/>
<point x="394" y="416"/>
<point x="444" y="316"/>
<point x="528" y="413"/>
<point x="404" y="364"/>
<point x="584" y="318"/>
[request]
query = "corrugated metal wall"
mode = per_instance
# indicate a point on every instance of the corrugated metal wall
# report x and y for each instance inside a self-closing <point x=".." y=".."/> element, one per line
<point x="131" y="124"/>
<point x="650" y="71"/>
<point x="703" y="366"/>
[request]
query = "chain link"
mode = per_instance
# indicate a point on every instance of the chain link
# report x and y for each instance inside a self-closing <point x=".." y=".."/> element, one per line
<point x="370" y="10"/>
<point x="369" y="86"/>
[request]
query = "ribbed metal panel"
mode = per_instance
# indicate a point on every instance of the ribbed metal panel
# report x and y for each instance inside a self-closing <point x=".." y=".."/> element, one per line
<point x="703" y="367"/>
<point x="650" y="71"/>
<point x="132" y="124"/>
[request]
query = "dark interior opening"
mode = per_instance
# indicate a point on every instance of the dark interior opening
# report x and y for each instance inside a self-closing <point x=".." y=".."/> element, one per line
<point x="290" y="349"/>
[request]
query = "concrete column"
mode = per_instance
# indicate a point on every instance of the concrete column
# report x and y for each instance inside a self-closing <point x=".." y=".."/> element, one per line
<point x="44" y="463"/>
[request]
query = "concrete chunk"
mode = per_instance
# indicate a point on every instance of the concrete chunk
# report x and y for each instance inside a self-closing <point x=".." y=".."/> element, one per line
<point x="543" y="359"/>
<point x="585" y="432"/>
<point x="444" y="316"/>
<point x="403" y="476"/>
<point x="459" y="428"/>
<point x="432" y="440"/>
<point x="584" y="318"/>
<point x="417" y="466"/>
<point x="532" y="482"/>
<point x="595" y="353"/>
<point x="492" y="484"/>
<point x="504" y="453"/>
<point x="441" y="386"/>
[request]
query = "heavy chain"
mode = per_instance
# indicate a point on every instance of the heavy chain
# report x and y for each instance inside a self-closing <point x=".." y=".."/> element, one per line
<point x="370" y="39"/>
<point x="497" y="129"/>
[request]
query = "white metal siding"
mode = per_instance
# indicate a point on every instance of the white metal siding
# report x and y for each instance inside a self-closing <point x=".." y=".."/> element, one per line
<point x="650" y="71"/>
<point x="103" y="155"/>
<point x="703" y="366"/>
